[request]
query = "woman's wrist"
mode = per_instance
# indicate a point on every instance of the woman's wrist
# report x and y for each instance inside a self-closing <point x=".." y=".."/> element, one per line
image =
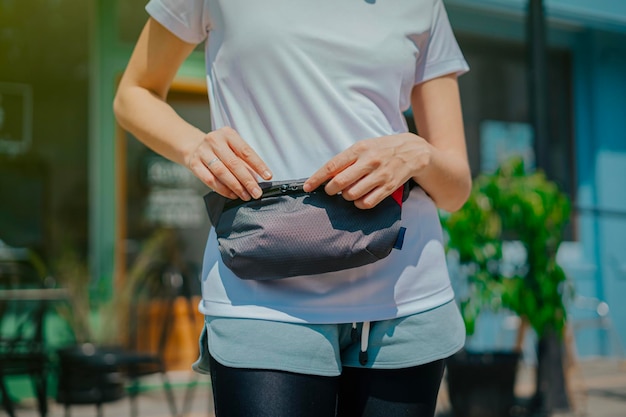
<point x="444" y="176"/>
<point x="189" y="147"/>
<point x="423" y="158"/>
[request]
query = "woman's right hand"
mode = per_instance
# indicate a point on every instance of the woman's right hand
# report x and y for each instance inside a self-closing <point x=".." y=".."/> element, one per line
<point x="227" y="164"/>
<point x="221" y="159"/>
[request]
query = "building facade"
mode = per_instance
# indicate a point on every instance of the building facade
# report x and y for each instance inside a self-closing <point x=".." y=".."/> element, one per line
<point x="105" y="193"/>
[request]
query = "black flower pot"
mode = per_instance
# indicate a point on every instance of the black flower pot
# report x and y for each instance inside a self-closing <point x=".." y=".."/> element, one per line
<point x="482" y="384"/>
<point x="89" y="375"/>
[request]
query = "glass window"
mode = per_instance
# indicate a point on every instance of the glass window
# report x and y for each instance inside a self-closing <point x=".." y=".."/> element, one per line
<point x="161" y="194"/>
<point x="132" y="16"/>
<point x="496" y="108"/>
<point x="496" y="98"/>
<point x="44" y="73"/>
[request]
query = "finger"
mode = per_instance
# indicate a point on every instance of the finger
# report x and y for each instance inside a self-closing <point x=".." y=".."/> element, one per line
<point x="328" y="172"/>
<point x="223" y="172"/>
<point x="241" y="176"/>
<point x="243" y="162"/>
<point x="204" y="174"/>
<point x="224" y="190"/>
<point x="251" y="158"/>
<point x="356" y="180"/>
<point x="222" y="163"/>
<point x="369" y="201"/>
<point x="365" y="193"/>
<point x="369" y="190"/>
<point x="212" y="170"/>
<point x="383" y="188"/>
<point x="355" y="190"/>
<point x="229" y="139"/>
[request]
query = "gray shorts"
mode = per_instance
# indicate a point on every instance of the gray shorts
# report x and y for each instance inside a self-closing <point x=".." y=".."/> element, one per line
<point x="323" y="349"/>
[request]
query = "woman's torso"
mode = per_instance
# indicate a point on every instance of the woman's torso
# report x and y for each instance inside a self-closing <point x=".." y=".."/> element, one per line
<point x="301" y="81"/>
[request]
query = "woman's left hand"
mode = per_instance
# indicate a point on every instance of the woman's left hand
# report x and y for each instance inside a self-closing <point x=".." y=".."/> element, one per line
<point x="373" y="169"/>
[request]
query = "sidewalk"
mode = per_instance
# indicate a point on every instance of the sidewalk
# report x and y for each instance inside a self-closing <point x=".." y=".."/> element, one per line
<point x="151" y="402"/>
<point x="598" y="389"/>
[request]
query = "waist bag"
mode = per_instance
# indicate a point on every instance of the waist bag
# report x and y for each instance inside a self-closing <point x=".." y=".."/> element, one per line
<point x="289" y="232"/>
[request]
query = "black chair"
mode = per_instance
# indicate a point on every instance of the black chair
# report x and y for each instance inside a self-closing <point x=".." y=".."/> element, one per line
<point x="22" y="347"/>
<point x="157" y="286"/>
<point x="89" y="374"/>
<point x="163" y="283"/>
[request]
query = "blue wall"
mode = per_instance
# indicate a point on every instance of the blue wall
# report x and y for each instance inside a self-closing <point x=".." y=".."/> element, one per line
<point x="596" y="14"/>
<point x="600" y="97"/>
<point x="595" y="33"/>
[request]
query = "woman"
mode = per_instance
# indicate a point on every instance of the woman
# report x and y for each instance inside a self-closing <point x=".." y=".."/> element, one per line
<point x="318" y="89"/>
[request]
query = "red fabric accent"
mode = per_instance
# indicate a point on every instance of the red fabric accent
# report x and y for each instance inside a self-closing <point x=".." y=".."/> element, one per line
<point x="398" y="194"/>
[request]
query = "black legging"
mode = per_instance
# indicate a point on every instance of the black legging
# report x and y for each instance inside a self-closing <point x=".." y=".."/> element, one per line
<point x="410" y="392"/>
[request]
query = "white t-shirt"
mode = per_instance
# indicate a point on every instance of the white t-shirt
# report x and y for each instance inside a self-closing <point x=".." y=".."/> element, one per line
<point x="301" y="81"/>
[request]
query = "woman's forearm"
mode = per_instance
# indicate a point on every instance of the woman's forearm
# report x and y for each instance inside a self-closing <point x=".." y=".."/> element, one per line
<point x="140" y="105"/>
<point x="221" y="159"/>
<point x="446" y="177"/>
<point x="155" y="123"/>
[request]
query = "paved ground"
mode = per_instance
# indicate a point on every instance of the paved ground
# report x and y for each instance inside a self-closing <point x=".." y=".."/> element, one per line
<point x="601" y="389"/>
<point x="597" y="388"/>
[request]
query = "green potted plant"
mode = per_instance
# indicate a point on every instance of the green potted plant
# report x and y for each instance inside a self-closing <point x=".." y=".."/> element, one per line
<point x="510" y="204"/>
<point x="95" y="318"/>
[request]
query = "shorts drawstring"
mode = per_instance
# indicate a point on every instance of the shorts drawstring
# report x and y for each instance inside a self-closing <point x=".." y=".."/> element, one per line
<point x="354" y="334"/>
<point x="365" y="335"/>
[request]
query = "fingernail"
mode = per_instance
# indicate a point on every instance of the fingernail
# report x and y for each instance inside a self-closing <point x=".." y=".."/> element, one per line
<point x="245" y="196"/>
<point x="267" y="175"/>
<point x="256" y="193"/>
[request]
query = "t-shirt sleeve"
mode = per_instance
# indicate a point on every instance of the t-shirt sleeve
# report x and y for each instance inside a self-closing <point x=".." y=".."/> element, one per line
<point x="187" y="19"/>
<point x="442" y="54"/>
